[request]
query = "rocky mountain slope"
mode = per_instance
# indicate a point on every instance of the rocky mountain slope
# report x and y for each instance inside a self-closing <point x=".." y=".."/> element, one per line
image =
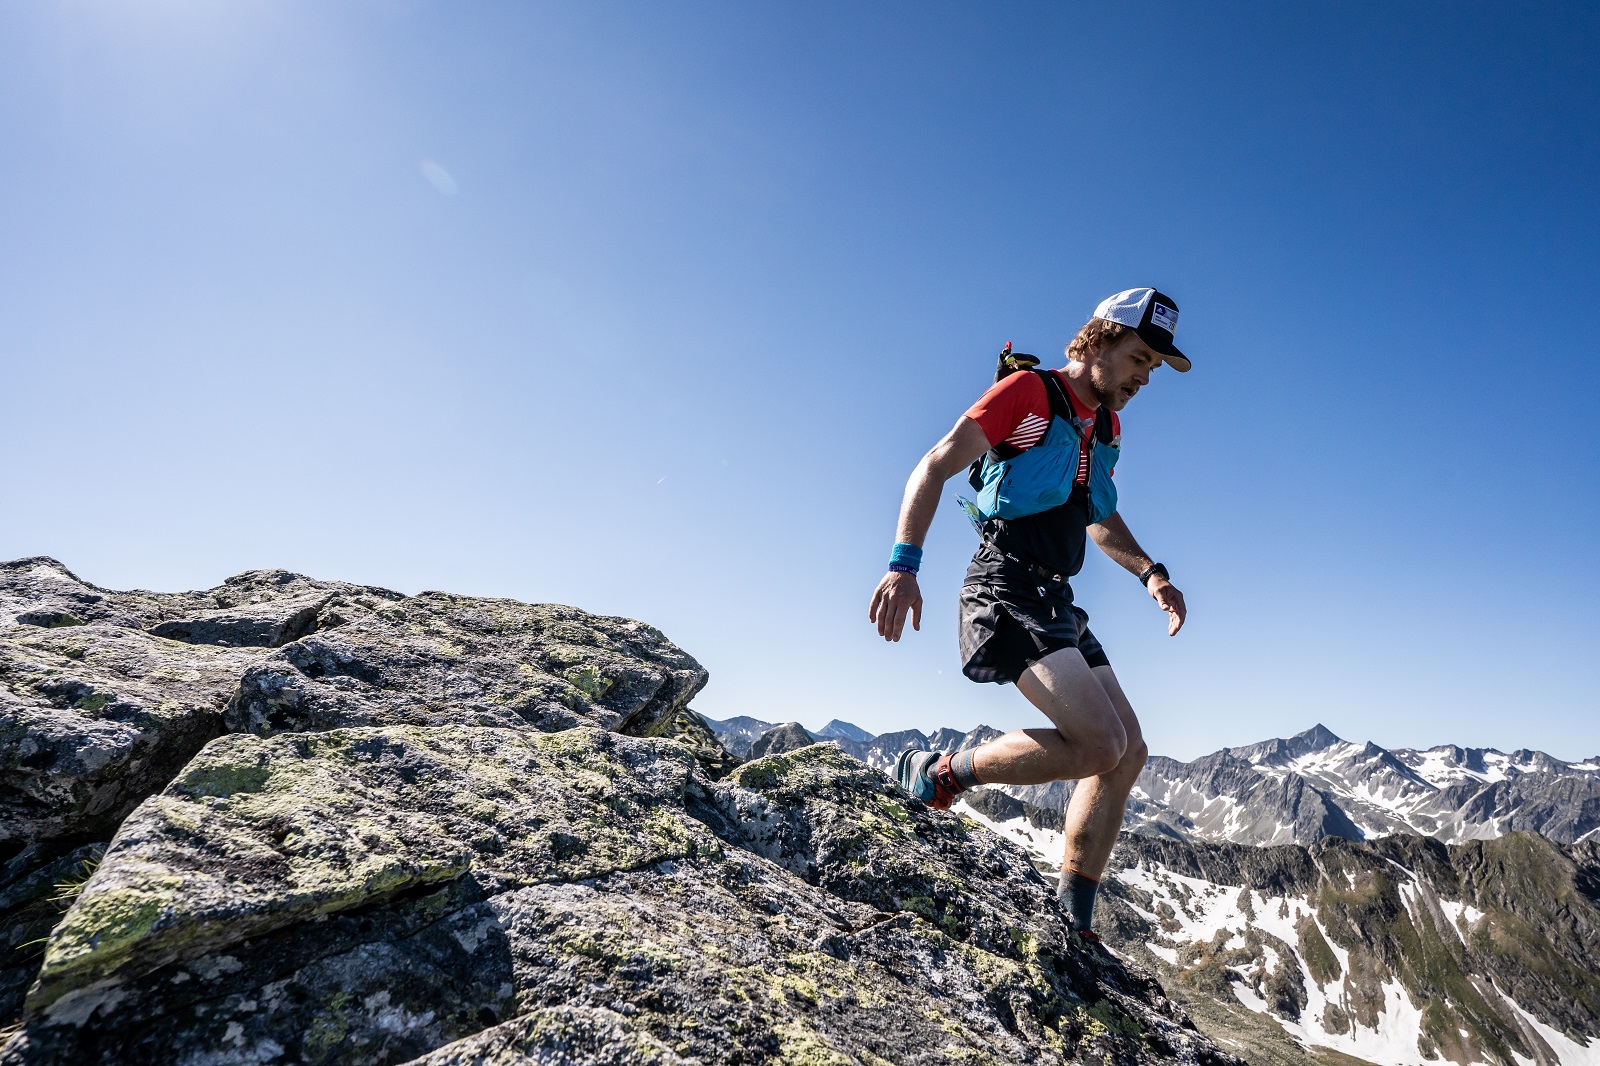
<point x="288" y="820"/>
<point x="1398" y="950"/>
<point x="1307" y="788"/>
<point x="1394" y="952"/>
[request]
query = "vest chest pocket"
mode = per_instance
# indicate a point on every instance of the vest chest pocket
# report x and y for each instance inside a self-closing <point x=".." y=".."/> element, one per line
<point x="1102" y="489"/>
<point x="1041" y="477"/>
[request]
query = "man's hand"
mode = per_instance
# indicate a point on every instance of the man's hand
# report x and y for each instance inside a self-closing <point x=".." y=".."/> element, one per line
<point x="897" y="595"/>
<point x="1167" y="595"/>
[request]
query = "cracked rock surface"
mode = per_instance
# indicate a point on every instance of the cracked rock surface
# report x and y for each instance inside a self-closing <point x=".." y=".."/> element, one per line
<point x="450" y="830"/>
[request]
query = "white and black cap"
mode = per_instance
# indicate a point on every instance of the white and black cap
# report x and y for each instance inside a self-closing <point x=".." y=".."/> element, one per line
<point x="1153" y="315"/>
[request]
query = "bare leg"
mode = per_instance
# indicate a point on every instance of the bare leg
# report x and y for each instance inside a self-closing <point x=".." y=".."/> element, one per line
<point x="1096" y="742"/>
<point x="1094" y="816"/>
<point x="1089" y="737"/>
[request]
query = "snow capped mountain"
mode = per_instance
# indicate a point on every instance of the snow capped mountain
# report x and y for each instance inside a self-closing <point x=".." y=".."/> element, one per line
<point x="1306" y="788"/>
<point x="1315" y="785"/>
<point x="737" y="734"/>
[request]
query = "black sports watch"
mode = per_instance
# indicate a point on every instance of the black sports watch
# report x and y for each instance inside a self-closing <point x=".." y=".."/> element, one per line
<point x="1150" y="571"/>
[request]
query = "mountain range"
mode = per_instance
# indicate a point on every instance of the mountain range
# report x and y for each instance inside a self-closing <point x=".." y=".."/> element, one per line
<point x="1299" y="790"/>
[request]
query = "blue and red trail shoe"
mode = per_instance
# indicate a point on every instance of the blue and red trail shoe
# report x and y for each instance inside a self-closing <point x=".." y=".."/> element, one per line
<point x="917" y="772"/>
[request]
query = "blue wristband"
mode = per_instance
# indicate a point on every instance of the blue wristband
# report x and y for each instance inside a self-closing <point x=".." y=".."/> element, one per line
<point x="906" y="557"/>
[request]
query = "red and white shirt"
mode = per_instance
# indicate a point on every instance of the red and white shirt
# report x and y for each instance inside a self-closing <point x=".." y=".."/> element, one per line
<point x="1016" y="410"/>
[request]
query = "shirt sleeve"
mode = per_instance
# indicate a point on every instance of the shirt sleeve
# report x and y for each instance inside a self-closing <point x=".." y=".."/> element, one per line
<point x="1015" y="410"/>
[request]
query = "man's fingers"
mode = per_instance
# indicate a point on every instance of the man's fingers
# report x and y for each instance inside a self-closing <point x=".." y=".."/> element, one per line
<point x="1173" y="604"/>
<point x="893" y="599"/>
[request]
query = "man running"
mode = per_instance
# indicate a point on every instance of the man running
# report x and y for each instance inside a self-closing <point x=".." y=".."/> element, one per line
<point x="1049" y="440"/>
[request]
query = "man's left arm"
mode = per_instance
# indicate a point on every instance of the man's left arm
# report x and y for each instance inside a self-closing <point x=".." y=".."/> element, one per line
<point x="1116" y="540"/>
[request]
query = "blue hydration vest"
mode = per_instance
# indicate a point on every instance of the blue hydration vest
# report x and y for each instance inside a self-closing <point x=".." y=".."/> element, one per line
<point x="1042" y="478"/>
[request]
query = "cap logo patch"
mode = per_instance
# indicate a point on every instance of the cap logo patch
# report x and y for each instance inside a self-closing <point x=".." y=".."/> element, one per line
<point x="1164" y="316"/>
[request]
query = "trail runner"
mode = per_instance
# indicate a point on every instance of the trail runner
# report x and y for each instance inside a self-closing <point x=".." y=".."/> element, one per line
<point x="1048" y="441"/>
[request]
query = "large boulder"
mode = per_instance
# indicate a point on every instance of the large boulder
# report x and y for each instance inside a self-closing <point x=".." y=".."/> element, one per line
<point x="38" y="591"/>
<point x="105" y="695"/>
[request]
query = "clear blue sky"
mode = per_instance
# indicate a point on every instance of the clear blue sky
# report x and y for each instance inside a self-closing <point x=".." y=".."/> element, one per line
<point x="651" y="308"/>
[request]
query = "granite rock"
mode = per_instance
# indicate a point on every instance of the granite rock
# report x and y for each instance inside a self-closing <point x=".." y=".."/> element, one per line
<point x="447" y="829"/>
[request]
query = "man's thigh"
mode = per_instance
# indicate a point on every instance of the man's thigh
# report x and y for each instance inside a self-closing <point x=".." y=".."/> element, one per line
<point x="1107" y="679"/>
<point x="1072" y="694"/>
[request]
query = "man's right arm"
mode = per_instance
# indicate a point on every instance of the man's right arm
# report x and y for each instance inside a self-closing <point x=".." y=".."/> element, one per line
<point x="897" y="595"/>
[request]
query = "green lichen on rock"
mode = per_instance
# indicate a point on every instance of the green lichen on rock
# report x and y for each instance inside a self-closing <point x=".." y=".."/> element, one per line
<point x="592" y="1036"/>
<point x="114" y="923"/>
<point x="262" y="833"/>
<point x="437" y="659"/>
<point x="588" y="680"/>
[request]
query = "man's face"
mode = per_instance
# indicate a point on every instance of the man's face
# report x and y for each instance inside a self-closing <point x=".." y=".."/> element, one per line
<point x="1118" y="372"/>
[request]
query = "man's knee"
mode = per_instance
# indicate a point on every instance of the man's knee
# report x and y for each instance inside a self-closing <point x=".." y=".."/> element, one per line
<point x="1103" y="748"/>
<point x="1133" y="758"/>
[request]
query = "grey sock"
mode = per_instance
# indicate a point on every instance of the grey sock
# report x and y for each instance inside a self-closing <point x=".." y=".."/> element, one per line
<point x="961" y="767"/>
<point x="1076" y="893"/>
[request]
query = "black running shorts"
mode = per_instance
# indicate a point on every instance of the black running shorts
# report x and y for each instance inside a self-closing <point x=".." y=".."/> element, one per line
<point x="1010" y="620"/>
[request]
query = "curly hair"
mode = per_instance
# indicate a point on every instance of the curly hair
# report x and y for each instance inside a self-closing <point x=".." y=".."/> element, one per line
<point x="1096" y="334"/>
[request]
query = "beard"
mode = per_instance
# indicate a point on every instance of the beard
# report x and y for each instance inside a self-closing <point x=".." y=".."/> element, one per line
<point x="1106" y="392"/>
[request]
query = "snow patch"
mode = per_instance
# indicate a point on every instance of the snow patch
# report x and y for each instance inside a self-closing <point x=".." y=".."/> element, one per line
<point x="1568" y="1051"/>
<point x="1046" y="845"/>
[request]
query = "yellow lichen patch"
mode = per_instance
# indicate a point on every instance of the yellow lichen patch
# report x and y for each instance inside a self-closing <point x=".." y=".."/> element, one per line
<point x="588" y="680"/>
<point x="224" y="778"/>
<point x="801" y="1045"/>
<point x="103" y="928"/>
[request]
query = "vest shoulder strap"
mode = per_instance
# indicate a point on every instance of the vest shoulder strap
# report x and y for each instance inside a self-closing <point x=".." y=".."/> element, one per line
<point x="1102" y="426"/>
<point x="1060" y="404"/>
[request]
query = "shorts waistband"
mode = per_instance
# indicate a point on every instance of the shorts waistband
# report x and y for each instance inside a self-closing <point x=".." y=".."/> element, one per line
<point x="1043" y="573"/>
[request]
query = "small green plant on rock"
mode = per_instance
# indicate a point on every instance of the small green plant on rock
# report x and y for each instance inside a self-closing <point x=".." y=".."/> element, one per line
<point x="67" y="889"/>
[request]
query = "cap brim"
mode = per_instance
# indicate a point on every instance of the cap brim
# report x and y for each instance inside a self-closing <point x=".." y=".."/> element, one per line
<point x="1165" y="348"/>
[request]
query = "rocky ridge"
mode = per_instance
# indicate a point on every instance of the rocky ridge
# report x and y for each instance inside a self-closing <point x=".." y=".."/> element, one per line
<point x="297" y="821"/>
